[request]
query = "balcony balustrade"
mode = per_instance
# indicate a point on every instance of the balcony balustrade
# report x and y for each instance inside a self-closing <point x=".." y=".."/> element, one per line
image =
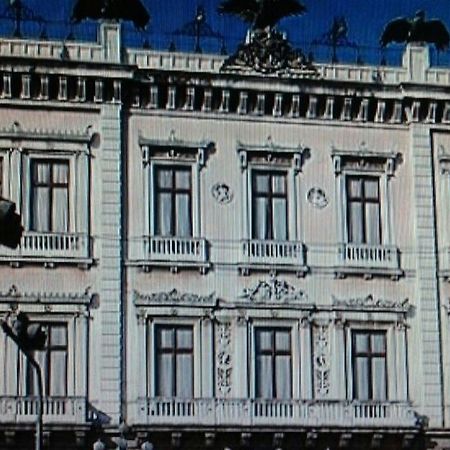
<point x="369" y="257"/>
<point x="176" y="249"/>
<point x="50" y="245"/>
<point x="271" y="252"/>
<point x="254" y="412"/>
<point x="57" y="410"/>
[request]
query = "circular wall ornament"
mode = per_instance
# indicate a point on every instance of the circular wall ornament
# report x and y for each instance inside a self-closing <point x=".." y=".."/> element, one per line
<point x="222" y="193"/>
<point x="317" y="198"/>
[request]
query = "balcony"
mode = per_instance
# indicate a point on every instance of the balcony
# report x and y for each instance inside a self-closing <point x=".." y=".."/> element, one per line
<point x="271" y="254"/>
<point x="56" y="410"/>
<point x="173" y="252"/>
<point x="252" y="412"/>
<point x="54" y="247"/>
<point x="368" y="259"/>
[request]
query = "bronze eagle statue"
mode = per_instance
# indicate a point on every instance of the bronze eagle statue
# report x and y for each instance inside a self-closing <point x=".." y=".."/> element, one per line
<point x="132" y="10"/>
<point x="262" y="13"/>
<point x="416" y="29"/>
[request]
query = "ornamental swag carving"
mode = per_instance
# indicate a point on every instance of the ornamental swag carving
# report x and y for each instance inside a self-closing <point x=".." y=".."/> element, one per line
<point x="273" y="291"/>
<point x="223" y="358"/>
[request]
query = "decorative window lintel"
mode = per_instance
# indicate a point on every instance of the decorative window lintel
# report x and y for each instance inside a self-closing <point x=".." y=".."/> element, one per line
<point x="364" y="159"/>
<point x="271" y="152"/>
<point x="174" y="148"/>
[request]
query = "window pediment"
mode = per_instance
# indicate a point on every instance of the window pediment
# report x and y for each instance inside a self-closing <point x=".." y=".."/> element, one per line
<point x="365" y="159"/>
<point x="271" y="153"/>
<point x="175" y="149"/>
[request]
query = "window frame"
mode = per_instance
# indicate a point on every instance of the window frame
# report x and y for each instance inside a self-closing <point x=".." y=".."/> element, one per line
<point x="51" y="186"/>
<point x="175" y="351"/>
<point x="47" y="368"/>
<point x="362" y="200"/>
<point x="300" y="354"/>
<point x="154" y="207"/>
<point x="273" y="354"/>
<point x="271" y="173"/>
<point x="370" y="355"/>
<point x="151" y="324"/>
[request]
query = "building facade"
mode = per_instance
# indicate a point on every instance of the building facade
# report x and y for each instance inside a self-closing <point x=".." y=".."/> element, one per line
<point x="225" y="258"/>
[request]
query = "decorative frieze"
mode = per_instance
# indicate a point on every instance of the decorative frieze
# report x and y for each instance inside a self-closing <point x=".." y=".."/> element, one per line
<point x="372" y="304"/>
<point x="14" y="295"/>
<point x="174" y="297"/>
<point x="273" y="291"/>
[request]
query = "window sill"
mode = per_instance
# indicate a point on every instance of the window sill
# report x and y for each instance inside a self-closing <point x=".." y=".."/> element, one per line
<point x="50" y="249"/>
<point x="273" y="255"/>
<point x="255" y="412"/>
<point x="368" y="260"/>
<point x="56" y="410"/>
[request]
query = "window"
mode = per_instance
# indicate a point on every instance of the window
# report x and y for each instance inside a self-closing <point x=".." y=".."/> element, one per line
<point x="369" y="365"/>
<point x="173" y="201"/>
<point x="273" y="366"/>
<point x="363" y="210"/>
<point x="269" y="205"/>
<point x="174" y="361"/>
<point x="49" y="196"/>
<point x="53" y="362"/>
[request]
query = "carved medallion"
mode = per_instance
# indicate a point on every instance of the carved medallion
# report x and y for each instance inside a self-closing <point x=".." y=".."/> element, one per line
<point x="222" y="193"/>
<point x="317" y="198"/>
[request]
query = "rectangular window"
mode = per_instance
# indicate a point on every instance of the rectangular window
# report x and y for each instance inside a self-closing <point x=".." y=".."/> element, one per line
<point x="269" y="205"/>
<point x="174" y="361"/>
<point x="369" y="365"/>
<point x="53" y="362"/>
<point x="173" y="201"/>
<point x="273" y="365"/>
<point x="363" y="210"/>
<point x="49" y="196"/>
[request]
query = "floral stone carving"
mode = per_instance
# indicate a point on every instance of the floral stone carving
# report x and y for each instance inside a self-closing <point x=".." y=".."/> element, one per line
<point x="321" y="361"/>
<point x="224" y="367"/>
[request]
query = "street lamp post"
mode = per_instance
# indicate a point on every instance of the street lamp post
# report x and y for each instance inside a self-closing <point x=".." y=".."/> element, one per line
<point x="28" y="337"/>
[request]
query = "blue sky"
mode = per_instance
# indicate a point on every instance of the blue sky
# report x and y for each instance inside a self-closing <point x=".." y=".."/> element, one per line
<point x="365" y="22"/>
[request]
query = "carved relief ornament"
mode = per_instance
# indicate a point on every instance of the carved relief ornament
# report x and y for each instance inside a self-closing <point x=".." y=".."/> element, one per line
<point x="371" y="303"/>
<point x="174" y="297"/>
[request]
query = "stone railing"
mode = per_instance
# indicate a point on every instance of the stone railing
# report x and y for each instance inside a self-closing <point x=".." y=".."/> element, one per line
<point x="252" y="412"/>
<point x="74" y="51"/>
<point x="55" y="409"/>
<point x="368" y="256"/>
<point x="176" y="249"/>
<point x="256" y="251"/>
<point x="50" y="245"/>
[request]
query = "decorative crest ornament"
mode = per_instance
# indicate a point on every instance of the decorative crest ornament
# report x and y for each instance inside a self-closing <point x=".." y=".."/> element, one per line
<point x="269" y="52"/>
<point x="273" y="291"/>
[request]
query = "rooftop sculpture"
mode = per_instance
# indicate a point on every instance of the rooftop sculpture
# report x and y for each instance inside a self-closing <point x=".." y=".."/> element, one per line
<point x="262" y="13"/>
<point x="132" y="10"/>
<point x="416" y="29"/>
<point x="266" y="49"/>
